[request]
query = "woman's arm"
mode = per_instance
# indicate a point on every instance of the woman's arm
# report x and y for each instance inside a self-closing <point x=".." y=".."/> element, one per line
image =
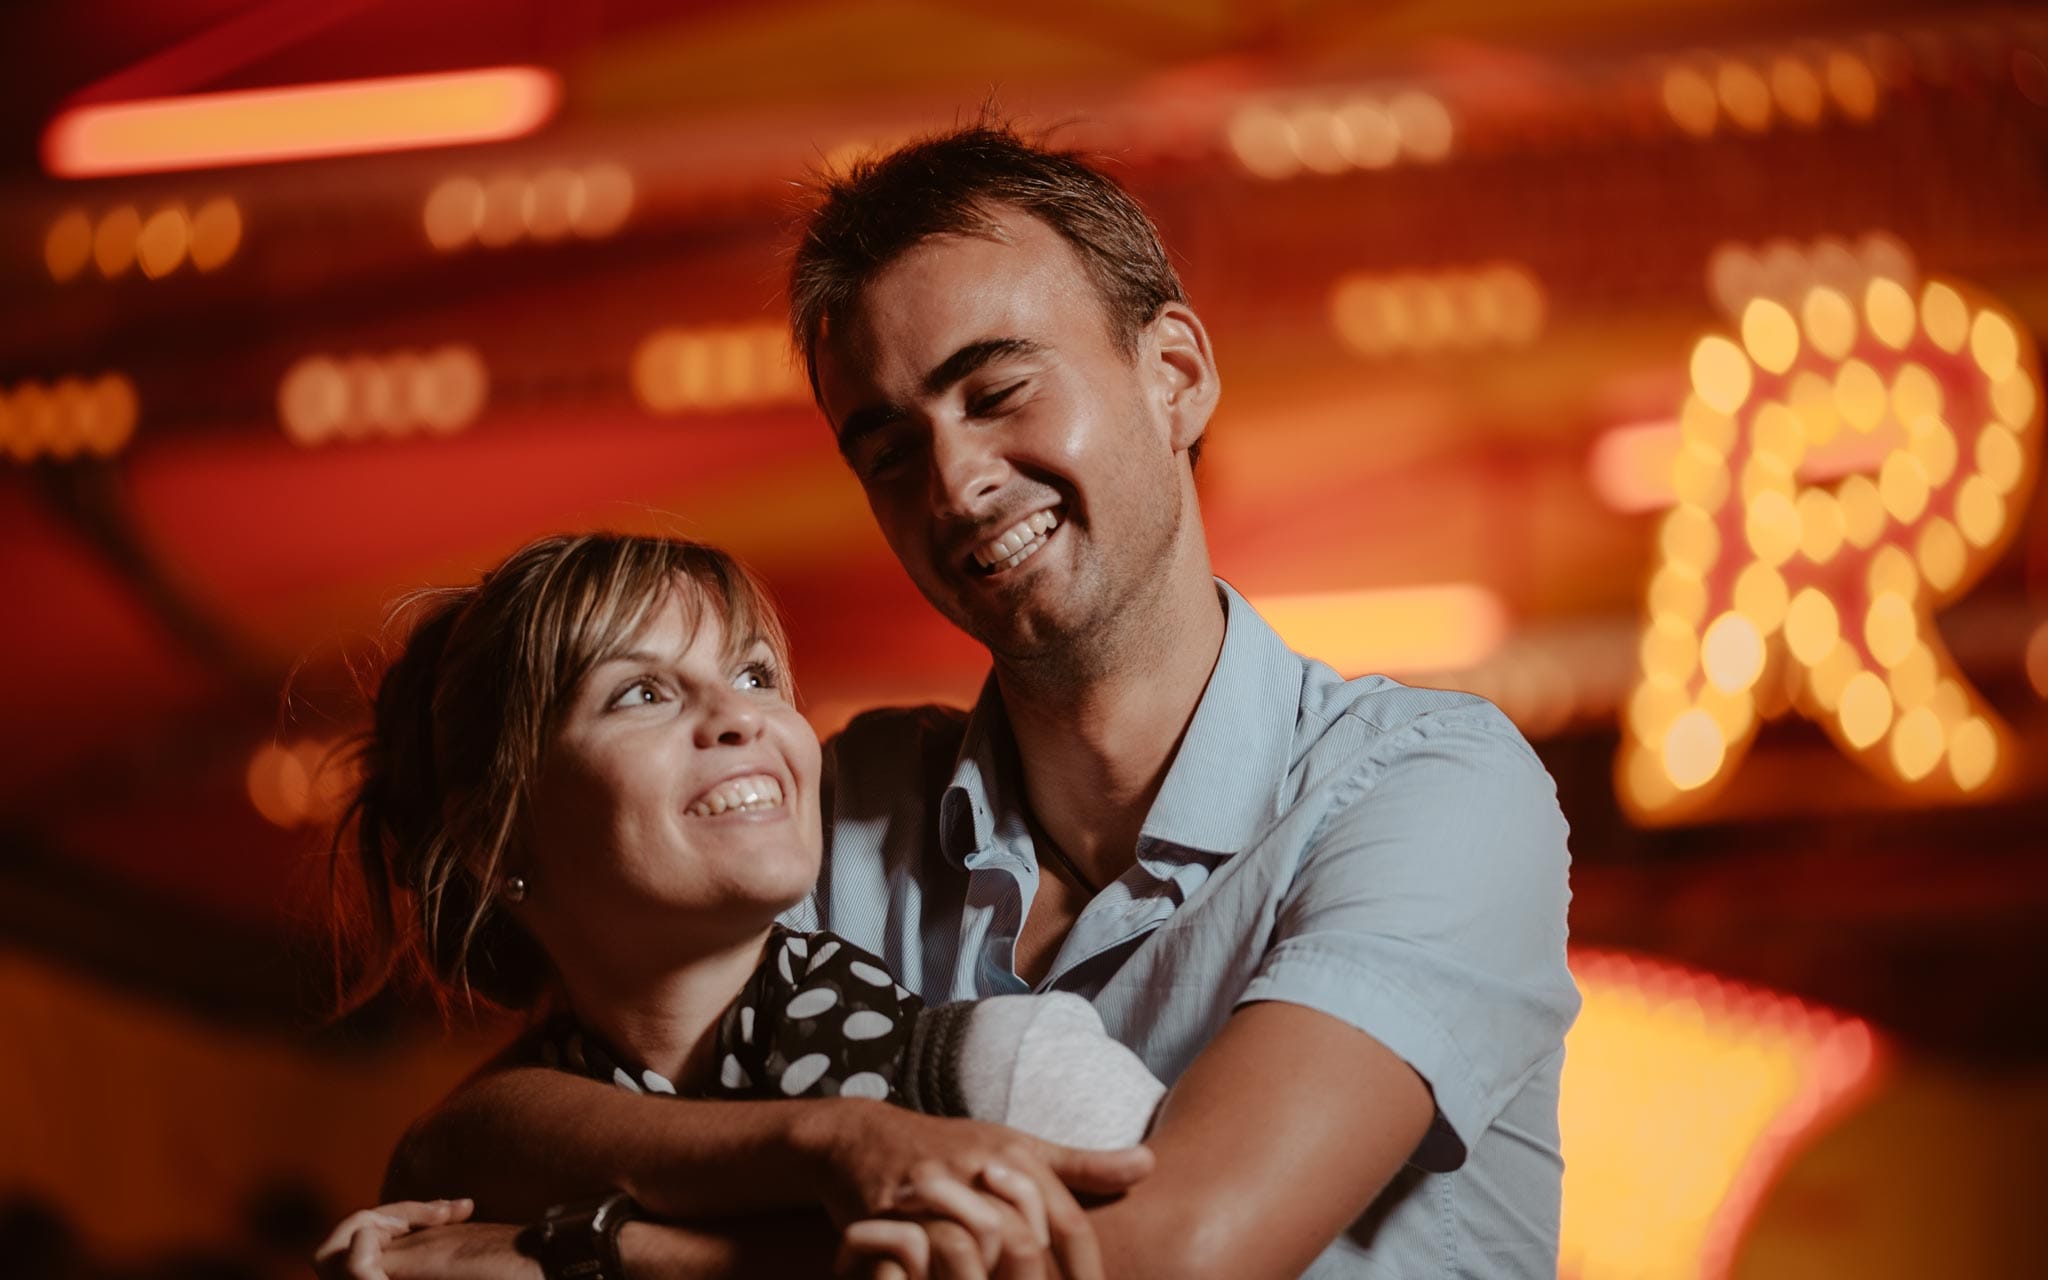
<point x="519" y="1139"/>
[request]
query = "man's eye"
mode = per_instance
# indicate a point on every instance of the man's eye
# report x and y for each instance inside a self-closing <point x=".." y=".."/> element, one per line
<point x="994" y="400"/>
<point x="880" y="459"/>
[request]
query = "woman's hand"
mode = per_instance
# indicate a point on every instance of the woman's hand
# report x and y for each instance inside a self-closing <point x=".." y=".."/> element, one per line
<point x="888" y="1163"/>
<point x="355" y="1249"/>
<point x="993" y="1240"/>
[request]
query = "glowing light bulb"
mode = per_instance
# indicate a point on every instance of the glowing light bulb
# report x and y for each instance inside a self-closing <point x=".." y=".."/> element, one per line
<point x="1942" y="555"/>
<point x="1972" y="753"/>
<point x="1866" y="710"/>
<point x="1889" y="309"/>
<point x="1917" y="743"/>
<point x="1945" y="316"/>
<point x="1860" y="395"/>
<point x="1980" y="512"/>
<point x="1720" y="374"/>
<point x="1760" y="596"/>
<point x="1771" y="524"/>
<point x="1732" y="653"/>
<point x="1830" y="322"/>
<point x="1693" y="750"/>
<point x="1994" y="345"/>
<point x="1811" y="626"/>
<point x="1999" y="459"/>
<point x="1820" y="525"/>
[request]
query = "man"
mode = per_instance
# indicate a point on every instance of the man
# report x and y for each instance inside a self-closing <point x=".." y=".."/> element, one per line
<point x="1330" y="914"/>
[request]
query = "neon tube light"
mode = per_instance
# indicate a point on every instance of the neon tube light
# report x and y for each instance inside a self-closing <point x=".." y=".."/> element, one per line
<point x="262" y="126"/>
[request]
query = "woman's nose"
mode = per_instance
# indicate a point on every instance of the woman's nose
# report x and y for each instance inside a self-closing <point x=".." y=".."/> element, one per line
<point x="731" y="719"/>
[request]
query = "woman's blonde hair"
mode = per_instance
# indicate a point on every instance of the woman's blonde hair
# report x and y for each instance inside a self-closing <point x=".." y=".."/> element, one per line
<point x="459" y="733"/>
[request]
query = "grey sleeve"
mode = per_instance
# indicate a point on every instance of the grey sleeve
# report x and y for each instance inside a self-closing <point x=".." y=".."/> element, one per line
<point x="1041" y="1064"/>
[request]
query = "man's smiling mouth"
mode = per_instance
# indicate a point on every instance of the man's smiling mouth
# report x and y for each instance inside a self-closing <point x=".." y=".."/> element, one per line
<point x="1016" y="544"/>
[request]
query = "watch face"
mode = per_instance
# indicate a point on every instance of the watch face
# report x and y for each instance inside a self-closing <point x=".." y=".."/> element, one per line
<point x="580" y="1242"/>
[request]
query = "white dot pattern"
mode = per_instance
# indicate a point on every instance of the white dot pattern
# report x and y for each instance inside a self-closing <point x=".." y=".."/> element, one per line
<point x="841" y="1029"/>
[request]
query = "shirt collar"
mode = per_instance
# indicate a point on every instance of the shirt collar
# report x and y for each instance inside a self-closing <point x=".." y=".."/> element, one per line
<point x="981" y="782"/>
<point x="1223" y="786"/>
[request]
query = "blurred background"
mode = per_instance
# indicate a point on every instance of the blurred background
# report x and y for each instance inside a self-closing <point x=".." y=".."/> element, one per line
<point x="1664" y="372"/>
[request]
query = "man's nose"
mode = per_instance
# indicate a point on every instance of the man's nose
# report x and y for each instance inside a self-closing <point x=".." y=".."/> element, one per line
<point x="967" y="469"/>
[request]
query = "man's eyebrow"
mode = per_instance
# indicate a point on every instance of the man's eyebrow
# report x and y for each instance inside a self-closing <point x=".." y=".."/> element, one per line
<point x="973" y="356"/>
<point x="865" y="421"/>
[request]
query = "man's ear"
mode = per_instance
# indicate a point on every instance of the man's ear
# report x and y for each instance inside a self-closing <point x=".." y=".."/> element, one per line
<point x="1184" y="368"/>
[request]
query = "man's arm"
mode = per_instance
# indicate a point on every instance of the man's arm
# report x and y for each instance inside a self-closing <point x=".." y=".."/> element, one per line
<point x="1415" y="978"/>
<point x="1281" y="1133"/>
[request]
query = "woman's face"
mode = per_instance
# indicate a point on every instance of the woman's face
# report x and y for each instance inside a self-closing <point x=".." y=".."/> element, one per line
<point x="678" y="804"/>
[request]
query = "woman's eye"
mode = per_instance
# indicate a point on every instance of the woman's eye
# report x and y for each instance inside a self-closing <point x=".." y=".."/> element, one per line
<point x="640" y="693"/>
<point x="756" y="675"/>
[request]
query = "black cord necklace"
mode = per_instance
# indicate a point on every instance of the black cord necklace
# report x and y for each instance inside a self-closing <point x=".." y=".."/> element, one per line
<point x="1040" y="840"/>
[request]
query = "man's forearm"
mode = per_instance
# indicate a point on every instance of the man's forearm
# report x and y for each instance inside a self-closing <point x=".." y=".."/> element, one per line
<point x="1282" y="1132"/>
<point x="521" y="1139"/>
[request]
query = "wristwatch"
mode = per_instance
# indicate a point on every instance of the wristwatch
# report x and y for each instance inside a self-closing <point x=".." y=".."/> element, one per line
<point x="581" y="1241"/>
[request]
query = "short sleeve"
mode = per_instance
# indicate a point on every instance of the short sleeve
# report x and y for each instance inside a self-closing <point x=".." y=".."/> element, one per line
<point x="1429" y="912"/>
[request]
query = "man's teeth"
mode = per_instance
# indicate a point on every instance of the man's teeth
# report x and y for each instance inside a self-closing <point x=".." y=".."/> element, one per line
<point x="756" y="791"/>
<point x="1017" y="544"/>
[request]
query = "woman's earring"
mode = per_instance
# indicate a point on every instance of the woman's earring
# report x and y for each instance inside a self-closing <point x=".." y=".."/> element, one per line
<point x="515" y="889"/>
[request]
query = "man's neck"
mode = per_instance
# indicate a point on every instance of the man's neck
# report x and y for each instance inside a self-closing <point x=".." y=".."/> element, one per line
<point x="1094" y="754"/>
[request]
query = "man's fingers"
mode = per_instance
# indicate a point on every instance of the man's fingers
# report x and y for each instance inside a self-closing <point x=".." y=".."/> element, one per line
<point x="1100" y="1173"/>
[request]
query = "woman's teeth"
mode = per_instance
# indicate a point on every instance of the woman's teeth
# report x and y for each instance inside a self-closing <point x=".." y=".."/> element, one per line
<point x="1017" y="544"/>
<point x="757" y="791"/>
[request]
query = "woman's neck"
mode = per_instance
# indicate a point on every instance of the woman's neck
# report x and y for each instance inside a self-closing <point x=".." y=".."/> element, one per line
<point x="666" y="1021"/>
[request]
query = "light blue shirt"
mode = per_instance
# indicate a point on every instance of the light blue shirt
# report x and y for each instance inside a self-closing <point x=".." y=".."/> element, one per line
<point x="1392" y="857"/>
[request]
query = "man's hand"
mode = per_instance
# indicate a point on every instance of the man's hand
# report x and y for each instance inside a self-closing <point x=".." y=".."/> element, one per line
<point x="885" y="1162"/>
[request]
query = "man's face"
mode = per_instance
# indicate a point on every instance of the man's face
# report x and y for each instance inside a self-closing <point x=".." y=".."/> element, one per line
<point x="1022" y="467"/>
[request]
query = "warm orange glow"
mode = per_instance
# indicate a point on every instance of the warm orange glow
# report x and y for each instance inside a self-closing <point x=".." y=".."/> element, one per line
<point x="1275" y="142"/>
<point x="216" y="233"/>
<point x="1683" y="1096"/>
<point x="67" y="419"/>
<point x="590" y="202"/>
<point x="718" y="368"/>
<point x="321" y="399"/>
<point x="260" y="126"/>
<point x="1497" y="304"/>
<point x="67" y="246"/>
<point x="1762" y="569"/>
<point x="1447" y="627"/>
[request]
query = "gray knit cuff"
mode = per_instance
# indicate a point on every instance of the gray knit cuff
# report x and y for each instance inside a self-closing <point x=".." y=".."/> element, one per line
<point x="929" y="1079"/>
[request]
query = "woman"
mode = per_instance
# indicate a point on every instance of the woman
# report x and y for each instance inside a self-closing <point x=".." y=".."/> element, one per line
<point x="587" y="793"/>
